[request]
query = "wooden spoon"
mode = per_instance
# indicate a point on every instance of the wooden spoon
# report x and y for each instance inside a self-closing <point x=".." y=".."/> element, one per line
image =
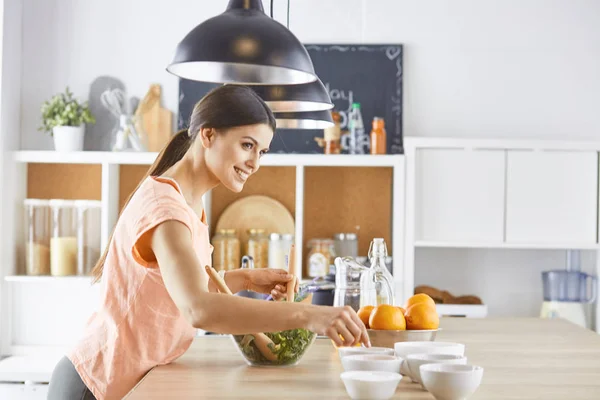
<point x="292" y="271"/>
<point x="264" y="344"/>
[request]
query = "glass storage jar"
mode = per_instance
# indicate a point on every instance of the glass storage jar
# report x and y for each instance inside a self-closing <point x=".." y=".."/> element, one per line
<point x="63" y="241"/>
<point x="320" y="258"/>
<point x="279" y="249"/>
<point x="226" y="254"/>
<point x="258" y="247"/>
<point x="37" y="237"/>
<point x="88" y="234"/>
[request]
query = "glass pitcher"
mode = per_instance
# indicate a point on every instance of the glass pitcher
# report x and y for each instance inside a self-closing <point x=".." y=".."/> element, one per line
<point x="384" y="281"/>
<point x="354" y="284"/>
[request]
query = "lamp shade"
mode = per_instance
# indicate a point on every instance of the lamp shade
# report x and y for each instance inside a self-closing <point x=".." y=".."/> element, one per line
<point x="311" y="96"/>
<point x="304" y="120"/>
<point x="244" y="46"/>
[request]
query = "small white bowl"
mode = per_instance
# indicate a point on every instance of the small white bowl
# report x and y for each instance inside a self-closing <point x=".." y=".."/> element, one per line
<point x="374" y="385"/>
<point x="404" y="349"/>
<point x="451" y="381"/>
<point x="371" y="362"/>
<point x="350" y="351"/>
<point x="414" y="362"/>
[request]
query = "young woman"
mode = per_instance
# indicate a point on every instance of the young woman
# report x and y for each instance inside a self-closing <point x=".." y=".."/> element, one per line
<point x="155" y="290"/>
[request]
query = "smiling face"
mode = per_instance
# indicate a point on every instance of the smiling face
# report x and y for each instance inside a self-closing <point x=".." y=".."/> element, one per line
<point x="232" y="155"/>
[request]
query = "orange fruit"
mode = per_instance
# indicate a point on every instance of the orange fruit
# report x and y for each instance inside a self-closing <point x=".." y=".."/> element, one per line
<point x="387" y="317"/>
<point x="364" y="313"/>
<point x="421" y="316"/>
<point x="419" y="298"/>
<point x="403" y="310"/>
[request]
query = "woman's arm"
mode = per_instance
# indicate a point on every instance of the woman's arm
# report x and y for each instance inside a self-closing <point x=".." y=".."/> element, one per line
<point x="235" y="280"/>
<point x="187" y="284"/>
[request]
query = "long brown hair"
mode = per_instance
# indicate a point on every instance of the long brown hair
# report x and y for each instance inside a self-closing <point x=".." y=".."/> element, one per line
<point x="225" y="107"/>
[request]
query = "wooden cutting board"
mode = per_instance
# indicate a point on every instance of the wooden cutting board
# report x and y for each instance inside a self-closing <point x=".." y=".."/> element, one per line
<point x="153" y="121"/>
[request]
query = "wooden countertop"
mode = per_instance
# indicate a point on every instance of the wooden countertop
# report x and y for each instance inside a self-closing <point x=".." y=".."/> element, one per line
<point x="522" y="359"/>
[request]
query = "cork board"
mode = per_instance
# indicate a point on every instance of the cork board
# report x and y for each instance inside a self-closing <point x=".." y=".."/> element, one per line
<point x="129" y="177"/>
<point x="278" y="183"/>
<point x="348" y="199"/>
<point x="64" y="181"/>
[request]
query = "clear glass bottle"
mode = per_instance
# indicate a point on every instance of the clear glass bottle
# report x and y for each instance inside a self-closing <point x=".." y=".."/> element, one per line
<point x="258" y="247"/>
<point x="37" y="237"/>
<point x="384" y="281"/>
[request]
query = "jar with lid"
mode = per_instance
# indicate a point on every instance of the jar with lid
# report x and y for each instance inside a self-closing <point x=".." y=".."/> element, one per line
<point x="346" y="245"/>
<point x="63" y="241"/>
<point x="37" y="237"/>
<point x="279" y="248"/>
<point x="226" y="254"/>
<point x="258" y="247"/>
<point x="88" y="234"/>
<point x="320" y="257"/>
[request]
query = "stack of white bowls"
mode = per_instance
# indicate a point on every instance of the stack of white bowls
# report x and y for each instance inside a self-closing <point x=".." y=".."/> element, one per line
<point x="439" y="367"/>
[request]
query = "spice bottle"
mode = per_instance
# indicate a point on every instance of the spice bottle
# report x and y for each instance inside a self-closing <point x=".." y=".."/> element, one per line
<point x="332" y="135"/>
<point x="378" y="136"/>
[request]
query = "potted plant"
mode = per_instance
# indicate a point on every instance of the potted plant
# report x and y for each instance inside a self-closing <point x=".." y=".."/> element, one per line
<point x="63" y="117"/>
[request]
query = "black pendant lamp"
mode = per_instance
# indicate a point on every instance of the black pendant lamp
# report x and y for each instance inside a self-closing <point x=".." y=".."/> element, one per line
<point x="304" y="120"/>
<point x="311" y="96"/>
<point x="243" y="46"/>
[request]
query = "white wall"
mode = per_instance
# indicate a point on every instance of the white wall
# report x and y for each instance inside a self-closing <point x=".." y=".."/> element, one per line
<point x="472" y="67"/>
<point x="477" y="68"/>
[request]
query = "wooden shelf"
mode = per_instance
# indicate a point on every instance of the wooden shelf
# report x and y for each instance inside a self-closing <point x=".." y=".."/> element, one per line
<point x="533" y="246"/>
<point x="147" y="158"/>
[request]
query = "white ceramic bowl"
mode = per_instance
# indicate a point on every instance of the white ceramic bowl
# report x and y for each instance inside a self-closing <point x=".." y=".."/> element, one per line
<point x="451" y="381"/>
<point x="414" y="362"/>
<point x="350" y="351"/>
<point x="371" y="362"/>
<point x="404" y="349"/>
<point x="374" y="385"/>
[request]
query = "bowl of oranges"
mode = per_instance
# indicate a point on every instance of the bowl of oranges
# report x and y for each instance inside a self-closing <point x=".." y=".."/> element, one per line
<point x="387" y="324"/>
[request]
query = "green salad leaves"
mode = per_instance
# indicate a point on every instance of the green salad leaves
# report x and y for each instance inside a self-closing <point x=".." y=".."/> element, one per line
<point x="289" y="347"/>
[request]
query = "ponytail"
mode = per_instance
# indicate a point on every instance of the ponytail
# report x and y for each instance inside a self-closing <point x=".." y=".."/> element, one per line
<point x="169" y="156"/>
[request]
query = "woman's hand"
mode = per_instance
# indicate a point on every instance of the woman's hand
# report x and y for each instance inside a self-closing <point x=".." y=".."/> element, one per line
<point x="341" y="324"/>
<point x="269" y="281"/>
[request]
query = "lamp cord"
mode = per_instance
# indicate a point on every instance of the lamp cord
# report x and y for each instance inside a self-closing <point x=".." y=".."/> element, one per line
<point x="272" y="8"/>
<point x="288" y="15"/>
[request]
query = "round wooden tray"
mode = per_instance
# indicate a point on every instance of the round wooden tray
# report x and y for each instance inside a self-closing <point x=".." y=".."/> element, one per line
<point x="256" y="212"/>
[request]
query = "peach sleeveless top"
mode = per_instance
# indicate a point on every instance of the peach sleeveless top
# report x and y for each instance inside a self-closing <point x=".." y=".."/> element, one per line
<point x="137" y="325"/>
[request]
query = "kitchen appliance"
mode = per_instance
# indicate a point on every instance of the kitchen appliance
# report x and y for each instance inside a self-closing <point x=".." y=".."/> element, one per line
<point x="323" y="290"/>
<point x="566" y="292"/>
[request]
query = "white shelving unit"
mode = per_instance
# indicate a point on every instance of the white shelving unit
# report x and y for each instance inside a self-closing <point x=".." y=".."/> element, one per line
<point x="469" y="193"/>
<point x="110" y="163"/>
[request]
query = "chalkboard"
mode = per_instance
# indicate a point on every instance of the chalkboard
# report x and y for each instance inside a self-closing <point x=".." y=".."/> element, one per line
<point x="368" y="74"/>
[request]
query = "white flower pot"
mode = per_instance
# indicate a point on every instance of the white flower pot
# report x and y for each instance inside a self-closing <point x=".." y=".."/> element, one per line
<point x="68" y="138"/>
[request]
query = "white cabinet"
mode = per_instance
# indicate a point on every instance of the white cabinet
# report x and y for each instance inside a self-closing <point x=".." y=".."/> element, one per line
<point x="459" y="196"/>
<point x="551" y="197"/>
<point x="19" y="391"/>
